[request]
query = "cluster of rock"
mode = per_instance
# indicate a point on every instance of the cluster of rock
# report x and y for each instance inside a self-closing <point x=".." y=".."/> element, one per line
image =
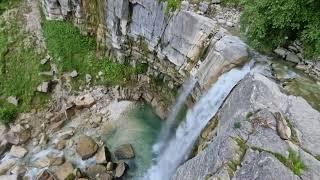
<point x="294" y="54"/>
<point x="45" y="143"/>
<point x="173" y="45"/>
<point x="259" y="133"/>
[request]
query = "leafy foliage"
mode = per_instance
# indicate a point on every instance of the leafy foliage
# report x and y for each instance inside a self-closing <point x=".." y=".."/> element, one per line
<point x="268" y="24"/>
<point x="293" y="162"/>
<point x="7" y="112"/>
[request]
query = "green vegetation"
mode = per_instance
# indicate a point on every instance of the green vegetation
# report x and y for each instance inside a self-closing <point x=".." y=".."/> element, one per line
<point x="7" y="4"/>
<point x="73" y="51"/>
<point x="172" y="5"/>
<point x="268" y="24"/>
<point x="7" y="112"/>
<point x="237" y="125"/>
<point x="293" y="162"/>
<point x="19" y="63"/>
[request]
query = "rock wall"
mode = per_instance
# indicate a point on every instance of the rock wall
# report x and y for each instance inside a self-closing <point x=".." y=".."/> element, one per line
<point x="138" y="31"/>
<point x="259" y="130"/>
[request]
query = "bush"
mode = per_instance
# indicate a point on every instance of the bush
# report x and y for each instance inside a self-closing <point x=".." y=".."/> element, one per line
<point x="7" y="113"/>
<point x="268" y="24"/>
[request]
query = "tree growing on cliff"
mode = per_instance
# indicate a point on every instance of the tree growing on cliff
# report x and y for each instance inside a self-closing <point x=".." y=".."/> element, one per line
<point x="268" y="24"/>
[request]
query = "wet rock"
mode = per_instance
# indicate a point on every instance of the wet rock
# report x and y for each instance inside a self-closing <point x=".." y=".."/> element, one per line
<point x="65" y="171"/>
<point x="65" y="134"/>
<point x="6" y="165"/>
<point x="104" y="176"/>
<point x="124" y="151"/>
<point x="43" y="87"/>
<point x="283" y="129"/>
<point x="61" y="144"/>
<point x="13" y="100"/>
<point x="54" y="127"/>
<point x="103" y="155"/>
<point x="18" y="135"/>
<point x="4" y="145"/>
<point x="45" y="175"/>
<point x="9" y="177"/>
<point x="120" y="169"/>
<point x="43" y="139"/>
<point x="95" y="170"/>
<point x="51" y="159"/>
<point x="19" y="170"/>
<point x="282" y="52"/>
<point x="86" y="147"/>
<point x="110" y="166"/>
<point x="18" y="151"/>
<point x="84" y="101"/>
<point x="292" y="57"/>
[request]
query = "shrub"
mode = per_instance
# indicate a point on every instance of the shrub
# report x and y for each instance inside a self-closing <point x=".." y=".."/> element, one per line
<point x="268" y="24"/>
<point x="237" y="125"/>
<point x="7" y="112"/>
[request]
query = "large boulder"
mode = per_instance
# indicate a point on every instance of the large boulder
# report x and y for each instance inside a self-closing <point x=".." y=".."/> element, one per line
<point x="18" y="151"/>
<point x="65" y="171"/>
<point x="86" y="147"/>
<point x="124" y="151"/>
<point x="18" y="135"/>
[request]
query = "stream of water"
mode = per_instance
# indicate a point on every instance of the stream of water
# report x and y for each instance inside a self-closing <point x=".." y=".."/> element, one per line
<point x="178" y="148"/>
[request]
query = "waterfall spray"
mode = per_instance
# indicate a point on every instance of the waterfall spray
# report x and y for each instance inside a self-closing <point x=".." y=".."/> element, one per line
<point x="177" y="150"/>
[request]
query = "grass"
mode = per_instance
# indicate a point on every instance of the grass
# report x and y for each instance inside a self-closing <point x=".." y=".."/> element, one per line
<point x="19" y="63"/>
<point x="293" y="162"/>
<point x="237" y="125"/>
<point x="73" y="51"/>
<point x="7" y="4"/>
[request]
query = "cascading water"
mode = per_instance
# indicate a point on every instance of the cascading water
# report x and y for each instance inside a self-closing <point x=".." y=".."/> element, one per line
<point x="178" y="148"/>
<point x="170" y="121"/>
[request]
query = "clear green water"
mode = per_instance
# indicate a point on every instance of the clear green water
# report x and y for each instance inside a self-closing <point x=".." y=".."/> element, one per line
<point x="297" y="83"/>
<point x="139" y="127"/>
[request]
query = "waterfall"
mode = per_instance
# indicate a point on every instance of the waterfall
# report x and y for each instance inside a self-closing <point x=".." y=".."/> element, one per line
<point x="171" y="119"/>
<point x="178" y="148"/>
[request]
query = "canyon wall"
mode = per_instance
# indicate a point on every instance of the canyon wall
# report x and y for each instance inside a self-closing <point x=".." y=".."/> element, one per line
<point x="174" y="45"/>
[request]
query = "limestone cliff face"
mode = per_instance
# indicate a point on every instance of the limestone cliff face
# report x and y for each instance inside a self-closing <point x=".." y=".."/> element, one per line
<point x="138" y="31"/>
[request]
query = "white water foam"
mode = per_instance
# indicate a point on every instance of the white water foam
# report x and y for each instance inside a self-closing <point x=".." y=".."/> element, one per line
<point x="177" y="150"/>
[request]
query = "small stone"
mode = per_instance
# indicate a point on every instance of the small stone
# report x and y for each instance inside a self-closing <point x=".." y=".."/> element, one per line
<point x="104" y="176"/>
<point x="43" y="61"/>
<point x="110" y="166"/>
<point x="6" y="165"/>
<point x="283" y="129"/>
<point x="60" y="145"/>
<point x="12" y="100"/>
<point x="120" y="169"/>
<point x="43" y="87"/>
<point x="18" y="151"/>
<point x="84" y="101"/>
<point x="103" y="155"/>
<point x="18" y="170"/>
<point x="45" y="175"/>
<point x="74" y="74"/>
<point x="65" y="171"/>
<point x="86" y="147"/>
<point x="100" y="73"/>
<point x="42" y="162"/>
<point x="281" y="52"/>
<point x="95" y="170"/>
<point x="88" y="78"/>
<point x="292" y="57"/>
<point x="56" y="126"/>
<point x="124" y="151"/>
<point x="43" y="139"/>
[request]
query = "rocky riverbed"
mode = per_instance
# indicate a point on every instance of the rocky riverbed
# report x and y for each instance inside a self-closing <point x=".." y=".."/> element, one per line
<point x="97" y="137"/>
